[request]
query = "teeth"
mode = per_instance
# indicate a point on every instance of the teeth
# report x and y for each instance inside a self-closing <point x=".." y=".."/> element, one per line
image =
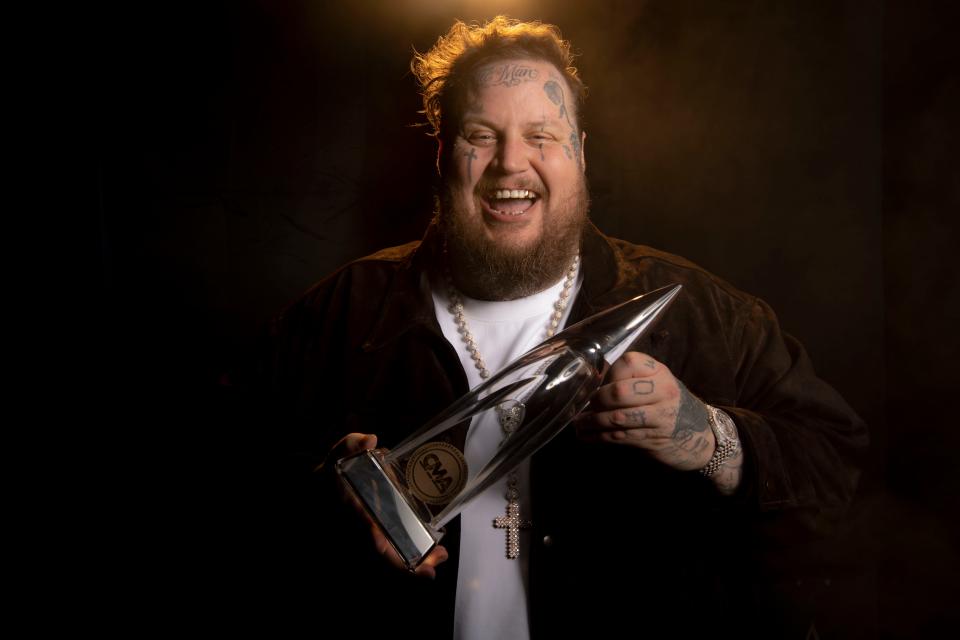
<point x="504" y="194"/>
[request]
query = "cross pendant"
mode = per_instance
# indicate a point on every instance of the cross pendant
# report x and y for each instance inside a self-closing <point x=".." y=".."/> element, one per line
<point x="512" y="523"/>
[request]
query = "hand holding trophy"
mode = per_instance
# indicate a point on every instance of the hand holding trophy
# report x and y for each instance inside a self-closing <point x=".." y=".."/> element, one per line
<point x="412" y="491"/>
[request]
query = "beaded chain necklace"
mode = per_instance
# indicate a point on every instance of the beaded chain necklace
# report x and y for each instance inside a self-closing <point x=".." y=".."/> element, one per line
<point x="510" y="412"/>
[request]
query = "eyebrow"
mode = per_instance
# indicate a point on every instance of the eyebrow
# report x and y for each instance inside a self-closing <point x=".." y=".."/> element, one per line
<point x="476" y="119"/>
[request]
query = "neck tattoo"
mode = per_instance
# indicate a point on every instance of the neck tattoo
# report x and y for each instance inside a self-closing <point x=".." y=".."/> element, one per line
<point x="510" y="412"/>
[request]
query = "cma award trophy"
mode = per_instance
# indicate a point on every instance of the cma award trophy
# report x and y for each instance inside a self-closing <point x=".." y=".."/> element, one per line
<point x="413" y="490"/>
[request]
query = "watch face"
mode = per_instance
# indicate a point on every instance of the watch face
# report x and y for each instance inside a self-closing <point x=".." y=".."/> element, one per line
<point x="725" y="426"/>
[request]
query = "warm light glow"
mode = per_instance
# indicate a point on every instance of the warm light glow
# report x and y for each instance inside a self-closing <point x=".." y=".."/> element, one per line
<point x="417" y="11"/>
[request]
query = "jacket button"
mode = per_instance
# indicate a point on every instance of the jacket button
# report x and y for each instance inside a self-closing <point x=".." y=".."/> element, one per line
<point x="547" y="541"/>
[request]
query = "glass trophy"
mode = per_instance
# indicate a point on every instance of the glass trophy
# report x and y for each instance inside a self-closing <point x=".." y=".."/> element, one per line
<point x="413" y="490"/>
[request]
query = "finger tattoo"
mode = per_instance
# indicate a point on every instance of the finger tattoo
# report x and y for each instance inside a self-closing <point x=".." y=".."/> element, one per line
<point x="643" y="387"/>
<point x="637" y="417"/>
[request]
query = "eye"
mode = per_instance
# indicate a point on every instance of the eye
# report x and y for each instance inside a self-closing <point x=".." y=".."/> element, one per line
<point x="481" y="138"/>
<point x="540" y="136"/>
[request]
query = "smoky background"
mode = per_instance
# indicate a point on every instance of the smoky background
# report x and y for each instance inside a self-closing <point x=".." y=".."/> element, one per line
<point x="800" y="150"/>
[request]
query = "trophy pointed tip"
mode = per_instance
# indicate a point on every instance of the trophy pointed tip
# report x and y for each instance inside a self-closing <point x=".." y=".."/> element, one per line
<point x="672" y="292"/>
<point x="635" y="317"/>
<point x="668" y="292"/>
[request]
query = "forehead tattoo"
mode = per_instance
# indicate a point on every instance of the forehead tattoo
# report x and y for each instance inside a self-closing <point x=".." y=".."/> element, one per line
<point x="509" y="74"/>
<point x="555" y="93"/>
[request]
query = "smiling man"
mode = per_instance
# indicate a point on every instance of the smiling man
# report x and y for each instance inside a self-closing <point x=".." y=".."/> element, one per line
<point x="515" y="198"/>
<point x="710" y="441"/>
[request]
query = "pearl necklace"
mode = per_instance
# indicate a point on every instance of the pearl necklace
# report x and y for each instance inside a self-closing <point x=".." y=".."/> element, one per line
<point x="456" y="308"/>
<point x="510" y="412"/>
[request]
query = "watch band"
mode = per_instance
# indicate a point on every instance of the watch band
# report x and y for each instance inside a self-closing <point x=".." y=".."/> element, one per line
<point x="725" y="432"/>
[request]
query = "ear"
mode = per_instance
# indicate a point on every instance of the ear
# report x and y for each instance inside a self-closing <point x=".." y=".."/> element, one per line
<point x="583" y="145"/>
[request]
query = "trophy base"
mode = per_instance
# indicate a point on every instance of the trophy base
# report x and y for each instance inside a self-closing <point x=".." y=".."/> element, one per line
<point x="369" y="482"/>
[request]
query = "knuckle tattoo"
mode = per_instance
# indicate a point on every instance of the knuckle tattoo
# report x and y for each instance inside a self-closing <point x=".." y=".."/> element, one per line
<point x="643" y="387"/>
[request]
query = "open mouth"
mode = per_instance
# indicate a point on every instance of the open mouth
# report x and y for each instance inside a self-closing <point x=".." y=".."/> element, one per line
<point x="511" y="202"/>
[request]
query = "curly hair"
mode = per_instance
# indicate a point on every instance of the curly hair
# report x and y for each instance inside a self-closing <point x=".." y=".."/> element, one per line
<point x="446" y="71"/>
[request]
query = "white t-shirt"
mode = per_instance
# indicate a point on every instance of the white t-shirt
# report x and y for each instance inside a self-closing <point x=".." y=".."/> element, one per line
<point x="491" y="588"/>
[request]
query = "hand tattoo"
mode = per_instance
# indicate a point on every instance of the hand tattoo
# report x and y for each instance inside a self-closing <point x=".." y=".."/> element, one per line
<point x="691" y="416"/>
<point x="643" y="387"/>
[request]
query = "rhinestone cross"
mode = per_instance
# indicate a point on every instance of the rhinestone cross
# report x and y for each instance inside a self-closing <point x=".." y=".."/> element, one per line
<point x="512" y="523"/>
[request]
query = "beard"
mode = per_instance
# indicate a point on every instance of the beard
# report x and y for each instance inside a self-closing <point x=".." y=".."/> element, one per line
<point x="487" y="270"/>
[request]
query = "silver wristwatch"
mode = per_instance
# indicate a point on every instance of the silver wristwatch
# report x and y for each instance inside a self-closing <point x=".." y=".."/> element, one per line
<point x="727" y="440"/>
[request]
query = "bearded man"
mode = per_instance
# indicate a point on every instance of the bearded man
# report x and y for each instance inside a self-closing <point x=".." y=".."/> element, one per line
<point x="647" y="515"/>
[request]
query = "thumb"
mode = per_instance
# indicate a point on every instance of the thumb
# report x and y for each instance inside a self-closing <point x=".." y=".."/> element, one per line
<point x="363" y="442"/>
<point x="355" y="443"/>
<point x="348" y="445"/>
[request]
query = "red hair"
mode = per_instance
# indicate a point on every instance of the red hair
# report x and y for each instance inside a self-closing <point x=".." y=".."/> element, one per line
<point x="446" y="71"/>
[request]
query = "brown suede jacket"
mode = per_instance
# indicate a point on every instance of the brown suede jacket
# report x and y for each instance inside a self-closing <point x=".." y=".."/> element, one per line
<point x="616" y="535"/>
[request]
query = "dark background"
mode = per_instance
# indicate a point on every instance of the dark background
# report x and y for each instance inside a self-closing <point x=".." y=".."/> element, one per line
<point x="804" y="151"/>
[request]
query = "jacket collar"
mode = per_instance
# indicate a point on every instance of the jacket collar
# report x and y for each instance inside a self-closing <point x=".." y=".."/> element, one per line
<point x="600" y="272"/>
<point x="408" y="302"/>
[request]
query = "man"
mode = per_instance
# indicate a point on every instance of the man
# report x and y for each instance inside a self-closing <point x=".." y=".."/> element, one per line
<point x="710" y="442"/>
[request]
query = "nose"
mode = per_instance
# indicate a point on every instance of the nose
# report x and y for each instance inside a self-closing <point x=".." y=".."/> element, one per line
<point x="513" y="155"/>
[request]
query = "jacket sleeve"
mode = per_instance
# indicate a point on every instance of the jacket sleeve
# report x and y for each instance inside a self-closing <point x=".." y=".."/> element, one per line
<point x="281" y="398"/>
<point x="803" y="445"/>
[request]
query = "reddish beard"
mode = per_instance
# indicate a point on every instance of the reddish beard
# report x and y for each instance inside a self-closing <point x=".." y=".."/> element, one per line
<point x="487" y="270"/>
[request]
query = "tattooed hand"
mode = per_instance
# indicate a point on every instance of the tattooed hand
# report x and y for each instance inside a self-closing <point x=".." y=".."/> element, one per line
<point x="355" y="443"/>
<point x="645" y="406"/>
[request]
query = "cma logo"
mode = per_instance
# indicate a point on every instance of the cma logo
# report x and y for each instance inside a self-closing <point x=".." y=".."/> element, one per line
<point x="436" y="472"/>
